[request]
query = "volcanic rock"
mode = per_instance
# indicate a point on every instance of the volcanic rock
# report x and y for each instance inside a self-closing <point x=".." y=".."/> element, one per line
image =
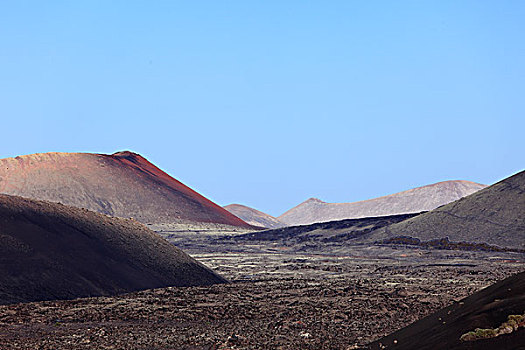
<point x="494" y="215"/>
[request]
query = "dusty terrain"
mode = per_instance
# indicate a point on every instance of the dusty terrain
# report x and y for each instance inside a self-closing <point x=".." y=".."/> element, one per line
<point x="123" y="184"/>
<point x="281" y="297"/>
<point x="276" y="301"/>
<point x="319" y="264"/>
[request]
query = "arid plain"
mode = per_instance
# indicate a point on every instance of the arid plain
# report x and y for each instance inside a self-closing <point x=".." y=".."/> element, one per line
<point x="277" y="299"/>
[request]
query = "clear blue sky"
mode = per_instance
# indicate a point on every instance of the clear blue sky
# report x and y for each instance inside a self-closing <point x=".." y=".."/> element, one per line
<point x="268" y="103"/>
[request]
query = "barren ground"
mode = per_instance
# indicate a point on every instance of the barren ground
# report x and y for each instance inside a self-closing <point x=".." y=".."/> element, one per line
<point x="280" y="298"/>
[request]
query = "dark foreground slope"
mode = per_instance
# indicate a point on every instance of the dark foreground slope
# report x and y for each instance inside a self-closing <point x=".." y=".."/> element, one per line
<point x="123" y="184"/>
<point x="494" y="215"/>
<point x="488" y="308"/>
<point x="51" y="251"/>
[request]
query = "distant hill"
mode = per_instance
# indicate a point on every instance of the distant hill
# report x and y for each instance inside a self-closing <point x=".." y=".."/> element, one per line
<point x="486" y="309"/>
<point x="412" y="201"/>
<point x="253" y="216"/>
<point x="494" y="215"/>
<point x="50" y="251"/>
<point x="123" y="184"/>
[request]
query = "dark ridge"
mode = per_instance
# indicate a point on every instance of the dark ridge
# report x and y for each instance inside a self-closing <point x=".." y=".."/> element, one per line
<point x="51" y="251"/>
<point x="445" y="243"/>
<point x="494" y="216"/>
<point x="356" y="227"/>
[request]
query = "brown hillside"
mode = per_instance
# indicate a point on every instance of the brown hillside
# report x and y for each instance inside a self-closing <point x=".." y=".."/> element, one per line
<point x="51" y="251"/>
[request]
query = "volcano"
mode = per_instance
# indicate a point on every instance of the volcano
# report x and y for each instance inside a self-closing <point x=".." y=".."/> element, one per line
<point x="123" y="184"/>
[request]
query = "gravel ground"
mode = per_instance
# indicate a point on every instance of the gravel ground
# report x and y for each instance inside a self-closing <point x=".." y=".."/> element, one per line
<point x="276" y="312"/>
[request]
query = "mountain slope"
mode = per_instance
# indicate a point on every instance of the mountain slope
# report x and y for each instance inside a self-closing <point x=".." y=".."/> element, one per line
<point x="412" y="201"/>
<point x="486" y="309"/>
<point x="254" y="216"/>
<point x="494" y="215"/>
<point x="50" y="251"/>
<point x="123" y="184"/>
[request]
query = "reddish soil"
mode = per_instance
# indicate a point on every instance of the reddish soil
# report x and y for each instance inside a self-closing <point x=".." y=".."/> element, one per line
<point x="124" y="184"/>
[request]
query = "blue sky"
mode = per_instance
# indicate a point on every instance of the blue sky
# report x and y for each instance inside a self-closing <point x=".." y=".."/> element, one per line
<point x="268" y="103"/>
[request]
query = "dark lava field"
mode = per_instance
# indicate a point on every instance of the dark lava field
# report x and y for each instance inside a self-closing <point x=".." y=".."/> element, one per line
<point x="285" y="301"/>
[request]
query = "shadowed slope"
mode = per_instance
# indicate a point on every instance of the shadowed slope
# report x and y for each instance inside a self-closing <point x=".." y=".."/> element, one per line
<point x="51" y="251"/>
<point x="123" y="184"/>
<point x="487" y="308"/>
<point x="253" y="216"/>
<point x="412" y="201"/>
<point x="341" y="231"/>
<point x="494" y="215"/>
